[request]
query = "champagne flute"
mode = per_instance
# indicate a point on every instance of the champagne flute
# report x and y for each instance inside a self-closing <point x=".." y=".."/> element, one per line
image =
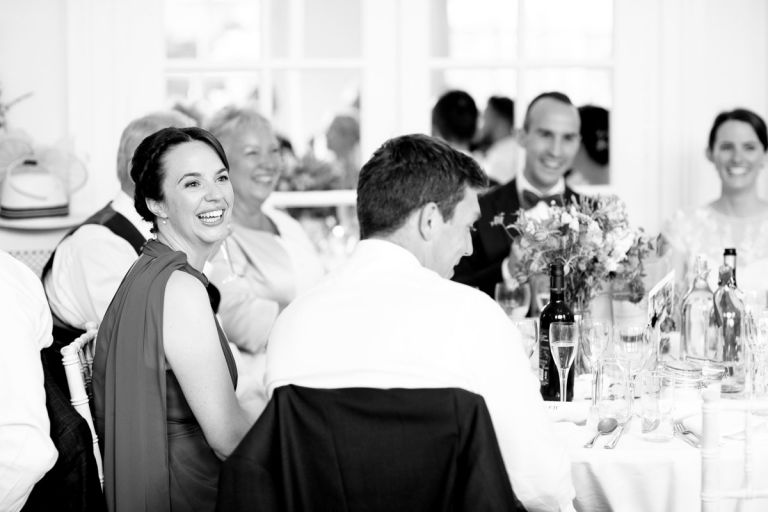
<point x="563" y="338"/>
<point x="514" y="300"/>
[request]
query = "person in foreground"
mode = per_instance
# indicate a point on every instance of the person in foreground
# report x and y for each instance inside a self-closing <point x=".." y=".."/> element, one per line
<point x="550" y="137"/>
<point x="26" y="449"/>
<point x="268" y="259"/>
<point x="391" y="317"/>
<point x="737" y="147"/>
<point x="164" y="377"/>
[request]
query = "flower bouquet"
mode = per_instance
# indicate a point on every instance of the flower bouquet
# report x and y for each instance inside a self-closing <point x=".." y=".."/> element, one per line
<point x="593" y="240"/>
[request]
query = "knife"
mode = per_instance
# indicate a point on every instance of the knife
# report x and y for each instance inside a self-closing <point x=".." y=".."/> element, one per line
<point x="612" y="443"/>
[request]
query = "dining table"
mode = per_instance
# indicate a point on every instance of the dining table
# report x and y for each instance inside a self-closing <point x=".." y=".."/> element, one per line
<point x="651" y="475"/>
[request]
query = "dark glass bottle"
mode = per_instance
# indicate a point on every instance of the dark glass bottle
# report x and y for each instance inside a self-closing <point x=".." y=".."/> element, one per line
<point x="556" y="310"/>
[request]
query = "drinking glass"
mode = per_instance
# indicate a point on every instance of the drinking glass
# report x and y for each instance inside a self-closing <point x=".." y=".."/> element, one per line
<point x="612" y="389"/>
<point x="656" y="399"/>
<point x="515" y="301"/>
<point x="563" y="342"/>
<point x="529" y="334"/>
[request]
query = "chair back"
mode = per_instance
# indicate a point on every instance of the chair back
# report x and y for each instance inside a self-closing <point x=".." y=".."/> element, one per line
<point x="77" y="358"/>
<point x="368" y="449"/>
<point x="712" y="466"/>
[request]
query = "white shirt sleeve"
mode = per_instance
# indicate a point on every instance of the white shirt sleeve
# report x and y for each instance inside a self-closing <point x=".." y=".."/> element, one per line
<point x="87" y="270"/>
<point x="536" y="459"/>
<point x="26" y="449"/>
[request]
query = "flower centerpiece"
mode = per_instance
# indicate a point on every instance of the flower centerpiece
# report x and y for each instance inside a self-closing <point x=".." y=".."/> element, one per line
<point x="593" y="240"/>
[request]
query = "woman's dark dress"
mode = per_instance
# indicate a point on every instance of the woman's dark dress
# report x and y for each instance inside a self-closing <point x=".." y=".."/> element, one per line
<point x="155" y="455"/>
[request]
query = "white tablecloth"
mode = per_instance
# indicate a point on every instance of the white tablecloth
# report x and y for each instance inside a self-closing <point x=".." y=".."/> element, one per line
<point x="651" y="476"/>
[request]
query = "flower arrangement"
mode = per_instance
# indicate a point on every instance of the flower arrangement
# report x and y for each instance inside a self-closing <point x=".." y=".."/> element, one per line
<point x="591" y="237"/>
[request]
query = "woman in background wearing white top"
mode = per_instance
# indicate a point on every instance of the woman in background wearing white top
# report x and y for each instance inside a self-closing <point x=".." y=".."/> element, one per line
<point x="268" y="259"/>
<point x="738" y="218"/>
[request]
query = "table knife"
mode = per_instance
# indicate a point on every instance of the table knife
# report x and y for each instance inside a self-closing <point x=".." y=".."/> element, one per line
<point x="612" y="443"/>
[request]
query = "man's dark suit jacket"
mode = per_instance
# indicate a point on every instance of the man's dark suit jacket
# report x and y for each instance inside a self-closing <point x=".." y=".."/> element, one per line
<point x="373" y="450"/>
<point x="491" y="244"/>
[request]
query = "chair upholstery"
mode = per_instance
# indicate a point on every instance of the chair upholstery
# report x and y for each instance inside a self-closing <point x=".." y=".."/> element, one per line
<point x="77" y="358"/>
<point x="373" y="450"/>
<point x="711" y="493"/>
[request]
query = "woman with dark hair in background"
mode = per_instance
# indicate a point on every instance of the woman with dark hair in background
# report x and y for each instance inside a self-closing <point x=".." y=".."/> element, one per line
<point x="164" y="376"/>
<point x="739" y="217"/>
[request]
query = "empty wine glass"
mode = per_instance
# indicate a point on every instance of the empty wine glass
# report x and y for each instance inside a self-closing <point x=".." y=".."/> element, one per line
<point x="634" y="347"/>
<point x="529" y="335"/>
<point x="563" y="343"/>
<point x="514" y="300"/>
<point x="594" y="340"/>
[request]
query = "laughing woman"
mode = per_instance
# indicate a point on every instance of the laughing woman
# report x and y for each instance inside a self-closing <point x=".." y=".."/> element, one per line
<point x="739" y="217"/>
<point x="164" y="377"/>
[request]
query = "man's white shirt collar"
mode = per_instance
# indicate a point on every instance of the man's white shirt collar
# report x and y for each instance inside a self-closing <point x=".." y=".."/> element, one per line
<point x="123" y="204"/>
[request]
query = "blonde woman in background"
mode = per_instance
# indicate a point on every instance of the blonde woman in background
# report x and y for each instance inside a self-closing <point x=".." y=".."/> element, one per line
<point x="268" y="259"/>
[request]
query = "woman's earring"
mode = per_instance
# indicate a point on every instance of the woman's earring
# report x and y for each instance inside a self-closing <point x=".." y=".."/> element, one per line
<point x="164" y="221"/>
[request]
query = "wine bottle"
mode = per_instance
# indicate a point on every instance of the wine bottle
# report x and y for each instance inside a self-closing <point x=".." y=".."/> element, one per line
<point x="729" y="258"/>
<point x="556" y="310"/>
<point x="696" y="308"/>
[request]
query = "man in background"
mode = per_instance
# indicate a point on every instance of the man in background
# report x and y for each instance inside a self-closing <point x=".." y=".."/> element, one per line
<point x="503" y="155"/>
<point x="550" y="137"/>
<point x="454" y="119"/>
<point x="391" y="317"/>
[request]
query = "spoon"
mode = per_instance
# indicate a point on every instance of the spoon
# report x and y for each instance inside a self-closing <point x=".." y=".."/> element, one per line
<point x="604" y="426"/>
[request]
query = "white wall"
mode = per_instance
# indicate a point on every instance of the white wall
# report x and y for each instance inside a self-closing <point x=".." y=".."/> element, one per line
<point x="679" y="63"/>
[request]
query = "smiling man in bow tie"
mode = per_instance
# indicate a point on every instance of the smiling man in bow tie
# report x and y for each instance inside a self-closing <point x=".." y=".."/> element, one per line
<point x="550" y="137"/>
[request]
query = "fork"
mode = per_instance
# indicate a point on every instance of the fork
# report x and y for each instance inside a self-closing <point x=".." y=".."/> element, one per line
<point x="683" y="434"/>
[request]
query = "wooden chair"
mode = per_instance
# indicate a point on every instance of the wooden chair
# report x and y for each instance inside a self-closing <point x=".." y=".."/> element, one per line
<point x="77" y="358"/>
<point x="711" y="492"/>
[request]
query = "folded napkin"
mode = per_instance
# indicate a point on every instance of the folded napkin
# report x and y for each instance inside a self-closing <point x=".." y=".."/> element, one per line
<point x="573" y="412"/>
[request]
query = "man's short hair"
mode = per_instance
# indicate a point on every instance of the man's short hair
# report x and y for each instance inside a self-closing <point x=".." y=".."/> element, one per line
<point x="408" y="172"/>
<point x="554" y="95"/>
<point x="139" y="129"/>
<point x="504" y="108"/>
<point x="454" y="116"/>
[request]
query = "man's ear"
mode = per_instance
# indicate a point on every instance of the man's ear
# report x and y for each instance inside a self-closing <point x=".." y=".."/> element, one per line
<point x="157" y="208"/>
<point x="428" y="217"/>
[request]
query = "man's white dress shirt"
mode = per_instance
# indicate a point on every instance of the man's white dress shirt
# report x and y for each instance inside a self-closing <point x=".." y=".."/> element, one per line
<point x="26" y="449"/>
<point x="384" y="321"/>
<point x="90" y="265"/>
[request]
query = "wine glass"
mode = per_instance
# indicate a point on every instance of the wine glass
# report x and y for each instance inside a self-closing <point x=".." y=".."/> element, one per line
<point x="593" y="342"/>
<point x="633" y="345"/>
<point x="563" y="343"/>
<point x="529" y="334"/>
<point x="514" y="300"/>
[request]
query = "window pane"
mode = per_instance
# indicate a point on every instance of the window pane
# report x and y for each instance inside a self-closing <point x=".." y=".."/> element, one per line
<point x="583" y="86"/>
<point x="479" y="83"/>
<point x="331" y="29"/>
<point x="206" y="94"/>
<point x="218" y="30"/>
<point x="307" y="104"/>
<point x="478" y="29"/>
<point x="564" y="29"/>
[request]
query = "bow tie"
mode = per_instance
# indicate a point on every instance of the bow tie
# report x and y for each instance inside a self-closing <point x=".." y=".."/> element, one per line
<point x="531" y="199"/>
